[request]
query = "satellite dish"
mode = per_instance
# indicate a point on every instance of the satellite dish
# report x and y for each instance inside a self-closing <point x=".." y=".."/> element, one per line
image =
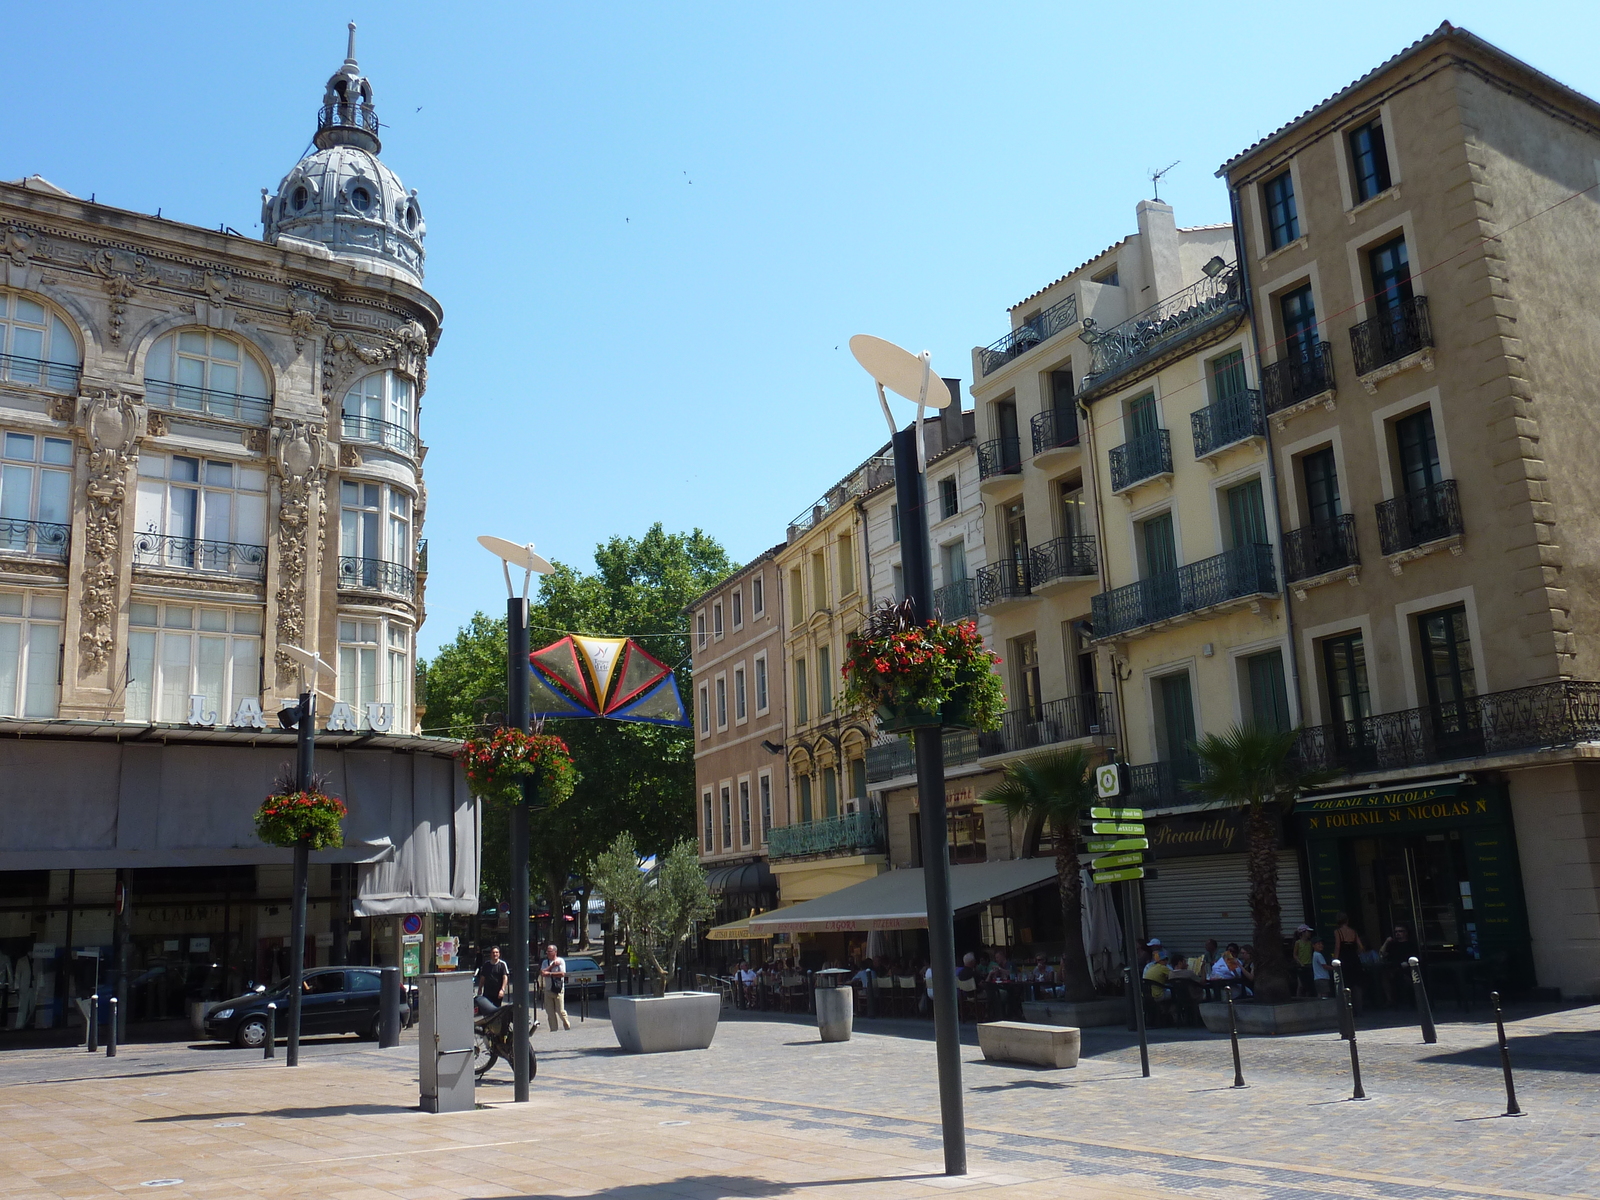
<point x="902" y="372"/>
<point x="516" y="555"/>
<point x="307" y="660"/>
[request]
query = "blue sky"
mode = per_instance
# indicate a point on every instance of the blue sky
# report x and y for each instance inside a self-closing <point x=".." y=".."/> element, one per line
<point x="654" y="228"/>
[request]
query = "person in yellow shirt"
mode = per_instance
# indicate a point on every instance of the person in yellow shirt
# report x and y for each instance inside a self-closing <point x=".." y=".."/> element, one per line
<point x="1302" y="960"/>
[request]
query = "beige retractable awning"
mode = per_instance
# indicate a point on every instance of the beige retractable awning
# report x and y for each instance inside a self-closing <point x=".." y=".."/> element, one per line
<point x="737" y="931"/>
<point x="896" y="900"/>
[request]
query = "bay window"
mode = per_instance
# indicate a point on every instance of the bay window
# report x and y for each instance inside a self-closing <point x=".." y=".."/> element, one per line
<point x="381" y="409"/>
<point x="375" y="668"/>
<point x="375" y="543"/>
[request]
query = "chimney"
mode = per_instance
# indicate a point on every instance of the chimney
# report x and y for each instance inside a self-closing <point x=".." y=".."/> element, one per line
<point x="1158" y="250"/>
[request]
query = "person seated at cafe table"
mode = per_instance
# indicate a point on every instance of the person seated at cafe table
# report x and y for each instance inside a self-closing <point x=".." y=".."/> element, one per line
<point x="1203" y="964"/>
<point x="1225" y="970"/>
<point x="1186" y="990"/>
<point x="1247" y="969"/>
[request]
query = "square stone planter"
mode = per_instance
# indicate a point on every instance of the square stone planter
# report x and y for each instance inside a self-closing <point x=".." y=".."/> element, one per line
<point x="654" y="1024"/>
<point x="1083" y="1014"/>
<point x="1293" y="1016"/>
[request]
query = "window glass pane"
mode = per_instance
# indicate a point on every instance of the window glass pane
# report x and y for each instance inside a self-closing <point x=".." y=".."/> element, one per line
<point x="179" y="617"/>
<point x="16" y="492"/>
<point x="11" y="604"/>
<point x="141" y="671"/>
<point x="246" y="680"/>
<point x="57" y="450"/>
<point x="1247" y="519"/>
<point x="214" y="619"/>
<point x="48" y="607"/>
<point x="10" y="666"/>
<point x="350" y="494"/>
<point x="252" y="479"/>
<point x="224" y="349"/>
<point x="142" y="614"/>
<point x="211" y="669"/>
<point x="55" y="497"/>
<point x="247" y="622"/>
<point x="20" y="446"/>
<point x="369" y="676"/>
<point x="29" y="311"/>
<point x="186" y="470"/>
<point x="175" y="653"/>
<point x="27" y="343"/>
<point x="219" y="474"/>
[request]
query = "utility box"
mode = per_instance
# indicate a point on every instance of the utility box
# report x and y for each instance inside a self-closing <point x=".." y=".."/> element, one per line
<point x="445" y="1041"/>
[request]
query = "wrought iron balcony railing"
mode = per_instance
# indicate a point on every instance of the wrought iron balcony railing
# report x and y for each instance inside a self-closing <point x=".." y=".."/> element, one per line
<point x="358" y="116"/>
<point x="1228" y="421"/>
<point x="1062" y="558"/>
<point x="1317" y="549"/>
<point x="231" y="406"/>
<point x="356" y="428"/>
<point x="1163" y="326"/>
<point x="38" y="372"/>
<point x="37" y="539"/>
<point x="1003" y="456"/>
<point x="373" y="574"/>
<point x="893" y="759"/>
<point x="1297" y="377"/>
<point x="875" y="471"/>
<point x="1390" y="336"/>
<point x="956" y="600"/>
<point x="1143" y="457"/>
<point x="1059" y="316"/>
<point x="1232" y="575"/>
<point x="1545" y="715"/>
<point x="1052" y="430"/>
<point x="1419" y="517"/>
<point x="1161" y="784"/>
<point x="853" y="833"/>
<point x="199" y="554"/>
<point x="1004" y="580"/>
<point x="1086" y="715"/>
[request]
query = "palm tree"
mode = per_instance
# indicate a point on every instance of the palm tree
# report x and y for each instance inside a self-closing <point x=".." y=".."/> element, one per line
<point x="1057" y="787"/>
<point x="1256" y="767"/>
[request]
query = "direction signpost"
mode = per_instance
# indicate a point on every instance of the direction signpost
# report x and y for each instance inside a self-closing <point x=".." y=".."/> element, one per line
<point x="1119" y="845"/>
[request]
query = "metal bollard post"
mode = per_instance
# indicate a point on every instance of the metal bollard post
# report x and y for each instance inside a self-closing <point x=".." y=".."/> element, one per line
<point x="92" y="1044"/>
<point x="1430" y="1035"/>
<point x="1513" y="1109"/>
<point x="111" y="1031"/>
<point x="1355" y="1057"/>
<point x="1347" y="1017"/>
<point x="872" y="993"/>
<point x="270" y="1049"/>
<point x="1233" y="1036"/>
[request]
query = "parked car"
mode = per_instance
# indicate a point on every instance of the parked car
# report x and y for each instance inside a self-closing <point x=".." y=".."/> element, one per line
<point x="335" y="1000"/>
<point x="585" y="977"/>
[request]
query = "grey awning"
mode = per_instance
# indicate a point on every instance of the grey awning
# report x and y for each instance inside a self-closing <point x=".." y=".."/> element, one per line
<point x="741" y="878"/>
<point x="896" y="900"/>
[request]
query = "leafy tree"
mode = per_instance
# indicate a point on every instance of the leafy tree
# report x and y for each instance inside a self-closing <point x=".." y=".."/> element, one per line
<point x="1057" y="787"/>
<point x="657" y="907"/>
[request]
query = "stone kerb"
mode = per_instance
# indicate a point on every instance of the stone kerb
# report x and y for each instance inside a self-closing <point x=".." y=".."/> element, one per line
<point x="1054" y="1046"/>
<point x="1293" y="1016"/>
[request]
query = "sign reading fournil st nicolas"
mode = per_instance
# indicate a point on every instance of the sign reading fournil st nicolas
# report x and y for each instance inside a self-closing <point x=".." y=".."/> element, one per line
<point x="1426" y="802"/>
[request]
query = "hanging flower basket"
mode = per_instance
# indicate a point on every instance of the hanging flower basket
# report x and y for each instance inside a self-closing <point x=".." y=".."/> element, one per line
<point x="922" y="676"/>
<point x="291" y="818"/>
<point x="497" y="765"/>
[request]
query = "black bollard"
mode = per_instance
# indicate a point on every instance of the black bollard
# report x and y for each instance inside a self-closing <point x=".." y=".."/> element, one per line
<point x="1355" y="1058"/>
<point x="93" y="1042"/>
<point x="1347" y="1017"/>
<point x="1233" y="1036"/>
<point x="872" y="993"/>
<point x="1513" y="1109"/>
<point x="1430" y="1035"/>
<point x="270" y="1048"/>
<point x="111" y="1031"/>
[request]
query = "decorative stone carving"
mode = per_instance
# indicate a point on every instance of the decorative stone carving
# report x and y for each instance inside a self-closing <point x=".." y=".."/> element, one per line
<point x="123" y="272"/>
<point x="218" y="287"/>
<point x="255" y="441"/>
<point x="113" y="421"/>
<point x="349" y="456"/>
<point x="299" y="458"/>
<point x="305" y="307"/>
<point x="15" y="243"/>
<point x="156" y="424"/>
<point x="63" y="408"/>
<point x="406" y="349"/>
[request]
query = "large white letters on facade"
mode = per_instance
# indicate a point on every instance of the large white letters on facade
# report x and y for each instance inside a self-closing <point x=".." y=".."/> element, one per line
<point x="248" y="714"/>
<point x="342" y="719"/>
<point x="198" y="714"/>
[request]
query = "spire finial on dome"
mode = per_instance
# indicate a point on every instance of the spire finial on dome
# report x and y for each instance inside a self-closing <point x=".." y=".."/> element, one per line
<point x="350" y="54"/>
<point x="347" y="117"/>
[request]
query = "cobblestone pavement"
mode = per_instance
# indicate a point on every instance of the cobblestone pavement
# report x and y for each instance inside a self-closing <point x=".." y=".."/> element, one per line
<point x="771" y="1111"/>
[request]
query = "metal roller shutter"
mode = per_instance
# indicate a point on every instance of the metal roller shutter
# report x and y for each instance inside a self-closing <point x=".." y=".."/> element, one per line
<point x="1192" y="899"/>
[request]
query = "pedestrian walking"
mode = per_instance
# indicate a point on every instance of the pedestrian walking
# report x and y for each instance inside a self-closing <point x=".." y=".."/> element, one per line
<point x="493" y="977"/>
<point x="553" y="974"/>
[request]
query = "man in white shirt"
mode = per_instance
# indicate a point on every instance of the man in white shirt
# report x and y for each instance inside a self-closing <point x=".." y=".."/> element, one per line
<point x="553" y="975"/>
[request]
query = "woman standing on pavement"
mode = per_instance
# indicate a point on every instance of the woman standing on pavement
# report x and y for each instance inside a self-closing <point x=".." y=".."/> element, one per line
<point x="1348" y="948"/>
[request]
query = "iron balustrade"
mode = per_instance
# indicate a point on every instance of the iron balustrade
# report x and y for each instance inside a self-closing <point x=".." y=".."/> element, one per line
<point x="873" y="473"/>
<point x="350" y="115"/>
<point x="956" y="600"/>
<point x="166" y="551"/>
<point x="891" y="760"/>
<point x="1419" y="517"/>
<point x="1163" y="326"/>
<point x="1231" y="575"/>
<point x="1542" y="716"/>
<point x="183" y="397"/>
<point x="356" y="428"/>
<point x="1297" y="377"/>
<point x="1004" y="580"/>
<point x="1317" y="549"/>
<point x="851" y="833"/>
<point x="374" y="574"/>
<point x="1390" y="336"/>
<point x="1059" y="316"/>
<point x="1003" y="456"/>
<point x="1049" y="433"/>
<point x="1062" y="558"/>
<point x="1065" y="720"/>
<point x="1231" y="419"/>
<point x="1139" y="458"/>
<point x="1161" y="784"/>
<point x="39" y="539"/>
<point x="39" y="372"/>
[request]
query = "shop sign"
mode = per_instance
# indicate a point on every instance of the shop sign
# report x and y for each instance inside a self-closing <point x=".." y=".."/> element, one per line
<point x="1378" y="810"/>
<point x="1389" y="798"/>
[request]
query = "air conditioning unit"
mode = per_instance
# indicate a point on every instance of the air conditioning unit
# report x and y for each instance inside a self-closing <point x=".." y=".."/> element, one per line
<point x="851" y="806"/>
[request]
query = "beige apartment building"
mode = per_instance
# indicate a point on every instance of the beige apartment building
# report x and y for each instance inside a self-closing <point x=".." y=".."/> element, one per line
<point x="1422" y="249"/>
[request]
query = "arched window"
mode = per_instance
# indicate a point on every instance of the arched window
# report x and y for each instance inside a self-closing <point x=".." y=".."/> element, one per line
<point x="381" y="409"/>
<point x="36" y="347"/>
<point x="195" y="370"/>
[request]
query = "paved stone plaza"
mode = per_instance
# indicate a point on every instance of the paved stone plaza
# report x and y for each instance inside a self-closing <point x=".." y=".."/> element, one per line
<point x="770" y="1111"/>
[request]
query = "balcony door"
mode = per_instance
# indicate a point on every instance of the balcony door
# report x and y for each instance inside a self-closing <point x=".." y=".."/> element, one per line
<point x="1158" y="547"/>
<point x="1247" y="515"/>
<point x="1074" y="512"/>
<point x="954" y="556"/>
<point x="1175" y="714"/>
<point x="1065" y="408"/>
<point x="1451" y="680"/>
<point x="1005" y="417"/>
<point x="1025" y="676"/>
<point x="1299" y="314"/>
<point x="1419" y="452"/>
<point x="1143" y="420"/>
<point x="1391" y="277"/>
<point x="1344" y="664"/>
<point x="1016" y="541"/>
<point x="1227" y="376"/>
<point x="360" y="533"/>
<point x="1268" y="692"/>
<point x="1322" y="486"/>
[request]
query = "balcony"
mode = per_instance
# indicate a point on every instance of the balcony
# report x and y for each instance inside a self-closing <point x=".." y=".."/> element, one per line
<point x="1003" y="456"/>
<point x="1054" y="430"/>
<point x="375" y="575"/>
<point x="1414" y="520"/>
<point x="1055" y="721"/>
<point x="1058" y="317"/>
<point x="1315" y="550"/>
<point x="873" y="473"/>
<point x="1227" y="423"/>
<point x="1002" y="581"/>
<point x="1237" y="574"/>
<point x="38" y="372"/>
<point x="1146" y="456"/>
<point x="1295" y="380"/>
<point x="1062" y="559"/>
<point x="207" y="402"/>
<point x="853" y="833"/>
<point x="1520" y="720"/>
<point x="1161" y="784"/>
<point x="892" y="760"/>
<point x="34" y="539"/>
<point x="356" y="428"/>
<point x="1392" y="336"/>
<point x="201" y="555"/>
<point x="956" y="601"/>
<point x="1162" y="328"/>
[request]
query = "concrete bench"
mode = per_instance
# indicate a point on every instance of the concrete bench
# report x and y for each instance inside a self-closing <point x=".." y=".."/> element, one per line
<point x="1020" y="1041"/>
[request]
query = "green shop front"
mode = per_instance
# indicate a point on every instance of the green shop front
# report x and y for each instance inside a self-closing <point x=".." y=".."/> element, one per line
<point x="1436" y="856"/>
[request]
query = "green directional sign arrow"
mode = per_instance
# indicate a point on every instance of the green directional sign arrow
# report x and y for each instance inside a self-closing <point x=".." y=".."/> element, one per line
<point x="1117" y="814"/>
<point x="1118" y="828"/>
<point x="1121" y="876"/>
<point x="1111" y="861"/>
<point x="1111" y="846"/>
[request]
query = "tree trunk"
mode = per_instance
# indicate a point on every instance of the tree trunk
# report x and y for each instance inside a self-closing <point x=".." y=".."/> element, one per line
<point x="583" y="915"/>
<point x="1076" y="978"/>
<point x="1274" y="975"/>
<point x="553" y="883"/>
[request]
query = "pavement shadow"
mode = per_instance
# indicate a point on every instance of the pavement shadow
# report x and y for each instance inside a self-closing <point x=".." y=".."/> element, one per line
<point x="1045" y="1084"/>
<point x="714" y="1187"/>
<point x="326" y="1110"/>
<point x="1557" y="1051"/>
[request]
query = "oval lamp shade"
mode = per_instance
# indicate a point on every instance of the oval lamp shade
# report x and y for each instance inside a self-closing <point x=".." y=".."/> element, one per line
<point x="898" y="370"/>
<point x="308" y="660"/>
<point x="515" y="554"/>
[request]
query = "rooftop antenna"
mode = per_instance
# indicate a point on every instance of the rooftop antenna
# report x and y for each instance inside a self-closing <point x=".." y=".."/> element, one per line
<point x="1155" y="176"/>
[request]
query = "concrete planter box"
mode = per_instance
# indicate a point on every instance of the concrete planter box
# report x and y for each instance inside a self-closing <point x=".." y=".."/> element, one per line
<point x="1084" y="1014"/>
<point x="1293" y="1016"/>
<point x="836" y="1012"/>
<point x="1054" y="1046"/>
<point x="676" y="1021"/>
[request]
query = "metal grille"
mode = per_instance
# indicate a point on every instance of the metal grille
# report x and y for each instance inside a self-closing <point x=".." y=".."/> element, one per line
<point x="1086" y="715"/>
<point x="1059" y="316"/>
<point x="1228" y="421"/>
<point x="1290" y="380"/>
<point x="1163" y="326"/>
<point x="1005" y="580"/>
<point x="1003" y="456"/>
<point x="894" y="759"/>
<point x="1231" y="575"/>
<point x="373" y="574"/>
<point x="956" y="600"/>
<point x="356" y="428"/>
<point x="1062" y="558"/>
<point x="231" y="406"/>
<point x="41" y="539"/>
<point x="1317" y="549"/>
<point x="1419" y="517"/>
<point x="1049" y="433"/>
<point x="58" y="377"/>
<point x="1391" y="336"/>
<point x="853" y="833"/>
<point x="1141" y="458"/>
<point x="358" y="116"/>
<point x="199" y="554"/>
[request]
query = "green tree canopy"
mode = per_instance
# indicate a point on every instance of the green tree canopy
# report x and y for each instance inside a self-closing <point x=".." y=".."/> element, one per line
<point x="657" y="907"/>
